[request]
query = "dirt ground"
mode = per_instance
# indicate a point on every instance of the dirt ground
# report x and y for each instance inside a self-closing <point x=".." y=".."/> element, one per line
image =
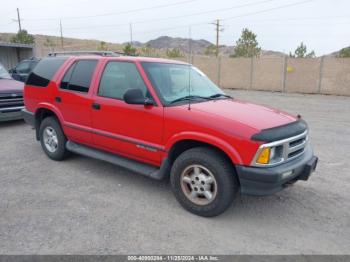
<point x="85" y="206"/>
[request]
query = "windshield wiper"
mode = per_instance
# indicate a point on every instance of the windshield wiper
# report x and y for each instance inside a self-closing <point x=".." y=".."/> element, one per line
<point x="189" y="98"/>
<point x="219" y="95"/>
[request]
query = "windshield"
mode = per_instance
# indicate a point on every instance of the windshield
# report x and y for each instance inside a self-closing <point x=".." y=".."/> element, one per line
<point x="4" y="73"/>
<point x="175" y="82"/>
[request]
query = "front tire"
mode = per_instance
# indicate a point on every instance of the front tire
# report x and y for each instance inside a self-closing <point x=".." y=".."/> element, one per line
<point x="52" y="139"/>
<point x="203" y="181"/>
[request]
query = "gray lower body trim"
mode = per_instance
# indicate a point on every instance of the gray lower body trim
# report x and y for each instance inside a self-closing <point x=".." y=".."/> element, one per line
<point x="132" y="165"/>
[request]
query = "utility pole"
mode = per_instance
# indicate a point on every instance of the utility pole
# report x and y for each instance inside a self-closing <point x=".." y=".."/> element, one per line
<point x="218" y="29"/>
<point x="19" y="20"/>
<point x="61" y="35"/>
<point x="130" y="33"/>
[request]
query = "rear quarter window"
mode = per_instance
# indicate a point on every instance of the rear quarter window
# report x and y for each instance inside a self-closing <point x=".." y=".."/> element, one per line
<point x="44" y="71"/>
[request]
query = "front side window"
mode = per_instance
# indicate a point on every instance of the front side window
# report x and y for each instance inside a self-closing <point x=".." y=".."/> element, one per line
<point x="176" y="81"/>
<point x="79" y="75"/>
<point x="3" y="73"/>
<point x="118" y="77"/>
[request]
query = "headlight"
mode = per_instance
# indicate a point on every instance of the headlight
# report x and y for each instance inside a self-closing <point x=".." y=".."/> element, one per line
<point x="269" y="155"/>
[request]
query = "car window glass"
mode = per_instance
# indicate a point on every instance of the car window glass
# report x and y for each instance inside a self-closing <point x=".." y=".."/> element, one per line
<point x="118" y="77"/>
<point x="33" y="64"/>
<point x="175" y="81"/>
<point x="67" y="76"/>
<point x="3" y="72"/>
<point x="44" y="71"/>
<point x="23" y="67"/>
<point x="78" y="77"/>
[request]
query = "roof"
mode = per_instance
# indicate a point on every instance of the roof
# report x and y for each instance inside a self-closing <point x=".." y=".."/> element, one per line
<point x="128" y="58"/>
<point x="16" y="45"/>
<point x="110" y="55"/>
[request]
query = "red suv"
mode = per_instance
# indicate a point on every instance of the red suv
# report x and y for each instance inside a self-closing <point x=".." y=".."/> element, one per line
<point x="165" y="118"/>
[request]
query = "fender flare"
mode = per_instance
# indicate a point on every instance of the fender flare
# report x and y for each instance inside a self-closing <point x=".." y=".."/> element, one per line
<point x="48" y="107"/>
<point x="228" y="149"/>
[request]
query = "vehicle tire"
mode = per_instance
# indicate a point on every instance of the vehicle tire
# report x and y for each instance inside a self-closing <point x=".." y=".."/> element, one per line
<point x="203" y="181"/>
<point x="52" y="139"/>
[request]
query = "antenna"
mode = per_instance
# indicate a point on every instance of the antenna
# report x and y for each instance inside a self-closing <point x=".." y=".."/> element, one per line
<point x="189" y="68"/>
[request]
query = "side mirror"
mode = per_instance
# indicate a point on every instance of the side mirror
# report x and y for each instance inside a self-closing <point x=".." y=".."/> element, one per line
<point x="136" y="97"/>
<point x="12" y="70"/>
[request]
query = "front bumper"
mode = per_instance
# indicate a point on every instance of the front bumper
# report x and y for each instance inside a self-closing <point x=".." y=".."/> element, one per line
<point x="28" y="117"/>
<point x="268" y="180"/>
<point x="9" y="114"/>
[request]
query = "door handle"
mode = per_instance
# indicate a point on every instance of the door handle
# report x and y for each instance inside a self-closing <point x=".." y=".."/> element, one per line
<point x="96" y="106"/>
<point x="58" y="99"/>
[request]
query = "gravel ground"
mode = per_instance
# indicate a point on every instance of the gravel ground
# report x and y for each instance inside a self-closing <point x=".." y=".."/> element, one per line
<point x="84" y="206"/>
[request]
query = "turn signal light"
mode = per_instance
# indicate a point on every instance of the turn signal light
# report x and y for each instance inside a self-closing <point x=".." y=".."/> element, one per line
<point x="264" y="156"/>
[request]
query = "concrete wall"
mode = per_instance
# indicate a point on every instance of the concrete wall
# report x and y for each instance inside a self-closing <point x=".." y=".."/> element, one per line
<point x="235" y="73"/>
<point x="326" y="75"/>
<point x="208" y="65"/>
<point x="303" y="76"/>
<point x="8" y="57"/>
<point x="267" y="74"/>
<point x="11" y="56"/>
<point x="336" y="76"/>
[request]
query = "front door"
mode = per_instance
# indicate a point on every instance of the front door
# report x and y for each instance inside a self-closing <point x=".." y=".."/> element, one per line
<point x="133" y="131"/>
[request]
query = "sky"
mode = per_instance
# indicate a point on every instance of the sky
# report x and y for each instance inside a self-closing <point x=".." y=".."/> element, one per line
<point x="280" y="25"/>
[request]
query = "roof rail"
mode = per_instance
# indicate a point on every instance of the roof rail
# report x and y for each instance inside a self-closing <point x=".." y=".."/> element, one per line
<point x="99" y="53"/>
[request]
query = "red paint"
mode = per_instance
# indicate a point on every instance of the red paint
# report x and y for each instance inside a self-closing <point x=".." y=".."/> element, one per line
<point x="127" y="129"/>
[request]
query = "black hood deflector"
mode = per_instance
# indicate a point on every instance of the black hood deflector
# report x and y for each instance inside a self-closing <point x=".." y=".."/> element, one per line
<point x="281" y="132"/>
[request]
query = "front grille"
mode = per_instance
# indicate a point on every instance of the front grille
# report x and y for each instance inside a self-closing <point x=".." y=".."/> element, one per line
<point x="285" y="149"/>
<point x="11" y="102"/>
<point x="295" y="146"/>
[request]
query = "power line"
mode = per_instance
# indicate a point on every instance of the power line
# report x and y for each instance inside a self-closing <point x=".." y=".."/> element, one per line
<point x="207" y="12"/>
<point x="7" y="24"/>
<point x="269" y="9"/>
<point x="227" y="18"/>
<point x="194" y="14"/>
<point x="116" y="13"/>
<point x="173" y="17"/>
<point x="7" y="13"/>
<point x="145" y="21"/>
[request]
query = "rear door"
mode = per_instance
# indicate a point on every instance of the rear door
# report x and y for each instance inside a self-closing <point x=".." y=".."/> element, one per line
<point x="73" y="98"/>
<point x="131" y="130"/>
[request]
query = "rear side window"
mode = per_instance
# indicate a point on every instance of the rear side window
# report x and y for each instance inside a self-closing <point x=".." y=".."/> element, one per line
<point x="44" y="71"/>
<point x="79" y="75"/>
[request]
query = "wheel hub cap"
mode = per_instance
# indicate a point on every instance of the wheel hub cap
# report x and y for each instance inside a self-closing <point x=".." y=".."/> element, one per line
<point x="50" y="139"/>
<point x="198" y="184"/>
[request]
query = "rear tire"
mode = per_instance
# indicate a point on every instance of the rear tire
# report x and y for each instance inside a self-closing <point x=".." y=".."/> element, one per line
<point x="204" y="182"/>
<point x="52" y="139"/>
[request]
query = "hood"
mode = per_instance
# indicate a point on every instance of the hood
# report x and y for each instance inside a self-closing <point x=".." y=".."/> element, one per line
<point x="11" y="86"/>
<point x="255" y="116"/>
